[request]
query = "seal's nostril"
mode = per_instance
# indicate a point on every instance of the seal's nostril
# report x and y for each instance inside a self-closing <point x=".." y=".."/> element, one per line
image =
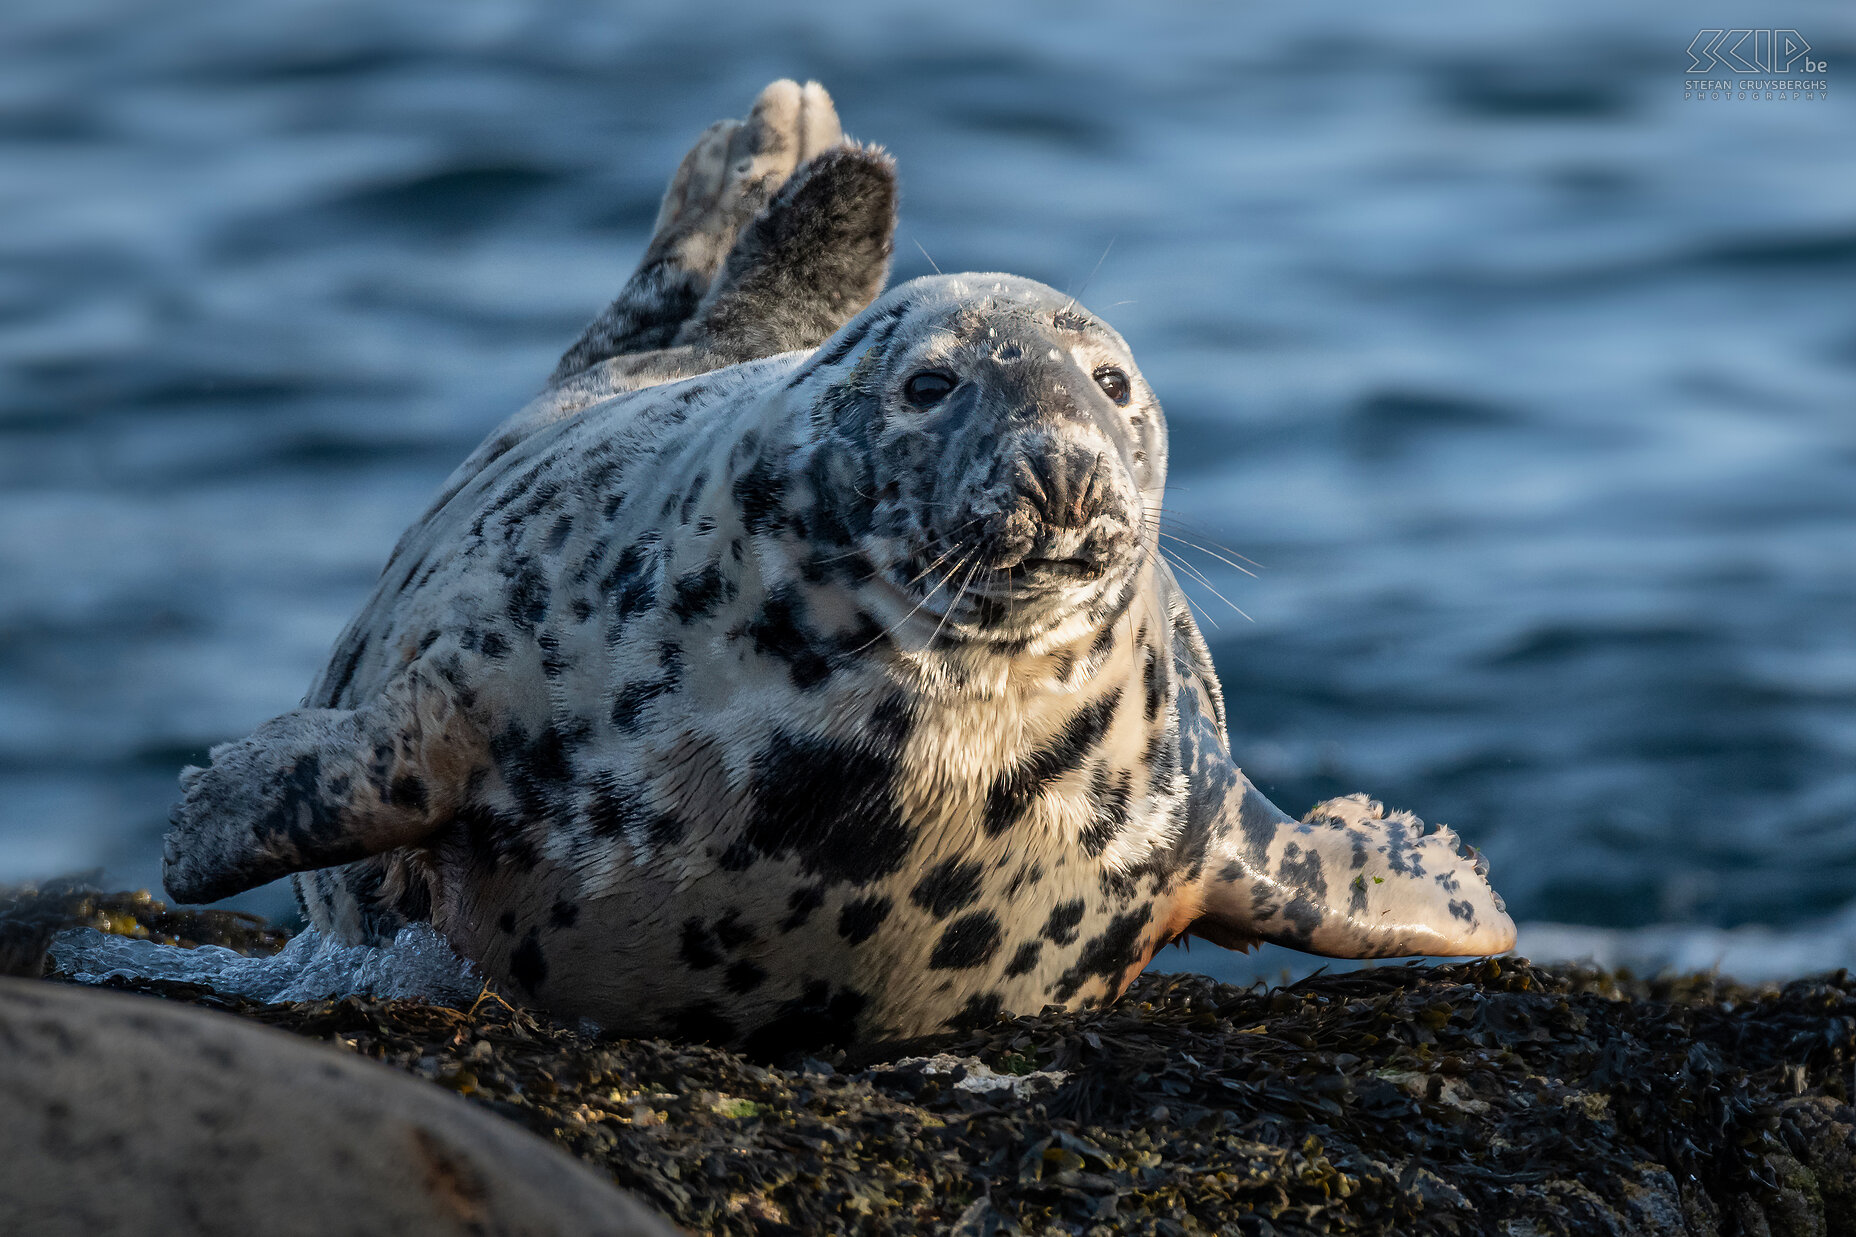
<point x="1065" y="486"/>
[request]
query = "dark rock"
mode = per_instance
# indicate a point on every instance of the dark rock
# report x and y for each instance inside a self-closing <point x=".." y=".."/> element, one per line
<point x="1489" y="1098"/>
<point x="123" y="1115"/>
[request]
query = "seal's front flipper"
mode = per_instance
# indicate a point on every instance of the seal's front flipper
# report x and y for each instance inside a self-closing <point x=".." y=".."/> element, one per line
<point x="1350" y="880"/>
<point x="319" y="787"/>
<point x="809" y="263"/>
<point x="734" y="169"/>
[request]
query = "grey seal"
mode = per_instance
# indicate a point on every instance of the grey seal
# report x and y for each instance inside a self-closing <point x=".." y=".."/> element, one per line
<point x="800" y="668"/>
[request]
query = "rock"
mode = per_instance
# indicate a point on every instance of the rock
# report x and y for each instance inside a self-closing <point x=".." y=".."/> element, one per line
<point x="126" y="1115"/>
<point x="1437" y="1101"/>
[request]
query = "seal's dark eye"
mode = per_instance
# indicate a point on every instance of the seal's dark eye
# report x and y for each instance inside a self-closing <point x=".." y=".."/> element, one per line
<point x="1114" y="383"/>
<point x="927" y="388"/>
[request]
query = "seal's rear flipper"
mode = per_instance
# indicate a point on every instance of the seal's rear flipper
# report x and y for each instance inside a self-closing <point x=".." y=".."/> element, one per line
<point x="319" y="787"/>
<point x="807" y="264"/>
<point x="731" y="172"/>
<point x="1350" y="880"/>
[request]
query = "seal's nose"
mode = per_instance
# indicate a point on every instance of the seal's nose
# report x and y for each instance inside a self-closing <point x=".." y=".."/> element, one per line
<point x="1067" y="486"/>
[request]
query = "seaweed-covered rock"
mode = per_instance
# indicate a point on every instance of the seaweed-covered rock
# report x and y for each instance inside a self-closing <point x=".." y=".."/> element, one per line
<point x="31" y="915"/>
<point x="121" y="1115"/>
<point x="1488" y="1098"/>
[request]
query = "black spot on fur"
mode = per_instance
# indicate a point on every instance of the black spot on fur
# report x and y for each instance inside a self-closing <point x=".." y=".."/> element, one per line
<point x="1108" y="955"/>
<point x="892" y="720"/>
<point x="506" y="923"/>
<point x="1154" y="681"/>
<point x="760" y="492"/>
<point x="859" y="920"/>
<point x="1031" y="874"/>
<point x="538" y="772"/>
<point x="703" y="1023"/>
<point x="631" y="699"/>
<point x="967" y="942"/>
<point x="557" y="536"/>
<point x="738" y="857"/>
<point x="948" y="886"/>
<point x="564" y="914"/>
<point x="829" y="805"/>
<point x="1025" y="959"/>
<point x="1013" y="791"/>
<point x="528" y="596"/>
<point x="981" y="1010"/>
<point x="744" y="976"/>
<point x="779" y="630"/>
<point x="692" y="498"/>
<point x="304" y="818"/>
<point x="492" y="645"/>
<point x="494" y="839"/>
<point x="1108" y="795"/>
<point x="415" y="901"/>
<point x="1120" y="886"/>
<point x="408" y="791"/>
<point x="701" y="592"/>
<point x="339" y="686"/>
<point x="632" y="583"/>
<point x="817" y="1018"/>
<point x="731" y="931"/>
<point x="611" y="810"/>
<point x="1061" y="926"/>
<point x="698" y="949"/>
<point x="528" y="966"/>
<point x="554" y="663"/>
<point x="801" y="903"/>
<point x="1101" y="647"/>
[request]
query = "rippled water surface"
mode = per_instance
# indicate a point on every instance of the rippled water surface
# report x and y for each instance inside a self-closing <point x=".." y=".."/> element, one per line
<point x="1531" y="384"/>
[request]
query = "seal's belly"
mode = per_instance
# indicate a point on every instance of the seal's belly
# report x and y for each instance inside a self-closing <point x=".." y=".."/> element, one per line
<point x="774" y="957"/>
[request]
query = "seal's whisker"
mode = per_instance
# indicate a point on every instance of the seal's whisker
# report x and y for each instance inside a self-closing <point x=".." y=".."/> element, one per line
<point x="1200" y="532"/>
<point x="955" y="605"/>
<point x="874" y="572"/>
<point x="1092" y="274"/>
<point x="1221" y="558"/>
<point x="896" y="626"/>
<point x="920" y="575"/>
<point x="1200" y="577"/>
<point x="951" y="550"/>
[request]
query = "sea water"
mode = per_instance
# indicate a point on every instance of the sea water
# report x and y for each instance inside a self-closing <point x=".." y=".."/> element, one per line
<point x="1528" y="380"/>
<point x="417" y="964"/>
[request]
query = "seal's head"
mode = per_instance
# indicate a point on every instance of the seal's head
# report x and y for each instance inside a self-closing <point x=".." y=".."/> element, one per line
<point x="1009" y="452"/>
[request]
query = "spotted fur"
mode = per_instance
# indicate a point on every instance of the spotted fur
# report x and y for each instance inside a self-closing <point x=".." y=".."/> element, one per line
<point x="731" y="691"/>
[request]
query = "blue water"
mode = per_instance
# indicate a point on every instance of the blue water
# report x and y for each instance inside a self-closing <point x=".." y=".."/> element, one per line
<point x="1531" y="384"/>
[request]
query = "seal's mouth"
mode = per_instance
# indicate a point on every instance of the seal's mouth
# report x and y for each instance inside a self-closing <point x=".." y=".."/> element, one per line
<point x="1073" y="568"/>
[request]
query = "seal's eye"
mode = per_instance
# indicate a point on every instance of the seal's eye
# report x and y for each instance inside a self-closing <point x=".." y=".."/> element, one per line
<point x="928" y="388"/>
<point x="1114" y="383"/>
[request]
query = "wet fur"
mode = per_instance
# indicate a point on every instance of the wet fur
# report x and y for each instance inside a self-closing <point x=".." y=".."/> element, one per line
<point x="666" y="711"/>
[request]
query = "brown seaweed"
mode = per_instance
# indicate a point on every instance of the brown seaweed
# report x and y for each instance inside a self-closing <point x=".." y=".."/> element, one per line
<point x="1492" y="1097"/>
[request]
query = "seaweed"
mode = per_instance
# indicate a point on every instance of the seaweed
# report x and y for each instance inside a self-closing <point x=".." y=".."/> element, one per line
<point x="31" y="915"/>
<point x="1488" y="1097"/>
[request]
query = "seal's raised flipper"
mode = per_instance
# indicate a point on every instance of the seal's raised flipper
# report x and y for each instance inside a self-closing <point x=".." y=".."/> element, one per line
<point x="1350" y="880"/>
<point x="318" y="787"/>
<point x="735" y="168"/>
<point x="806" y="265"/>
